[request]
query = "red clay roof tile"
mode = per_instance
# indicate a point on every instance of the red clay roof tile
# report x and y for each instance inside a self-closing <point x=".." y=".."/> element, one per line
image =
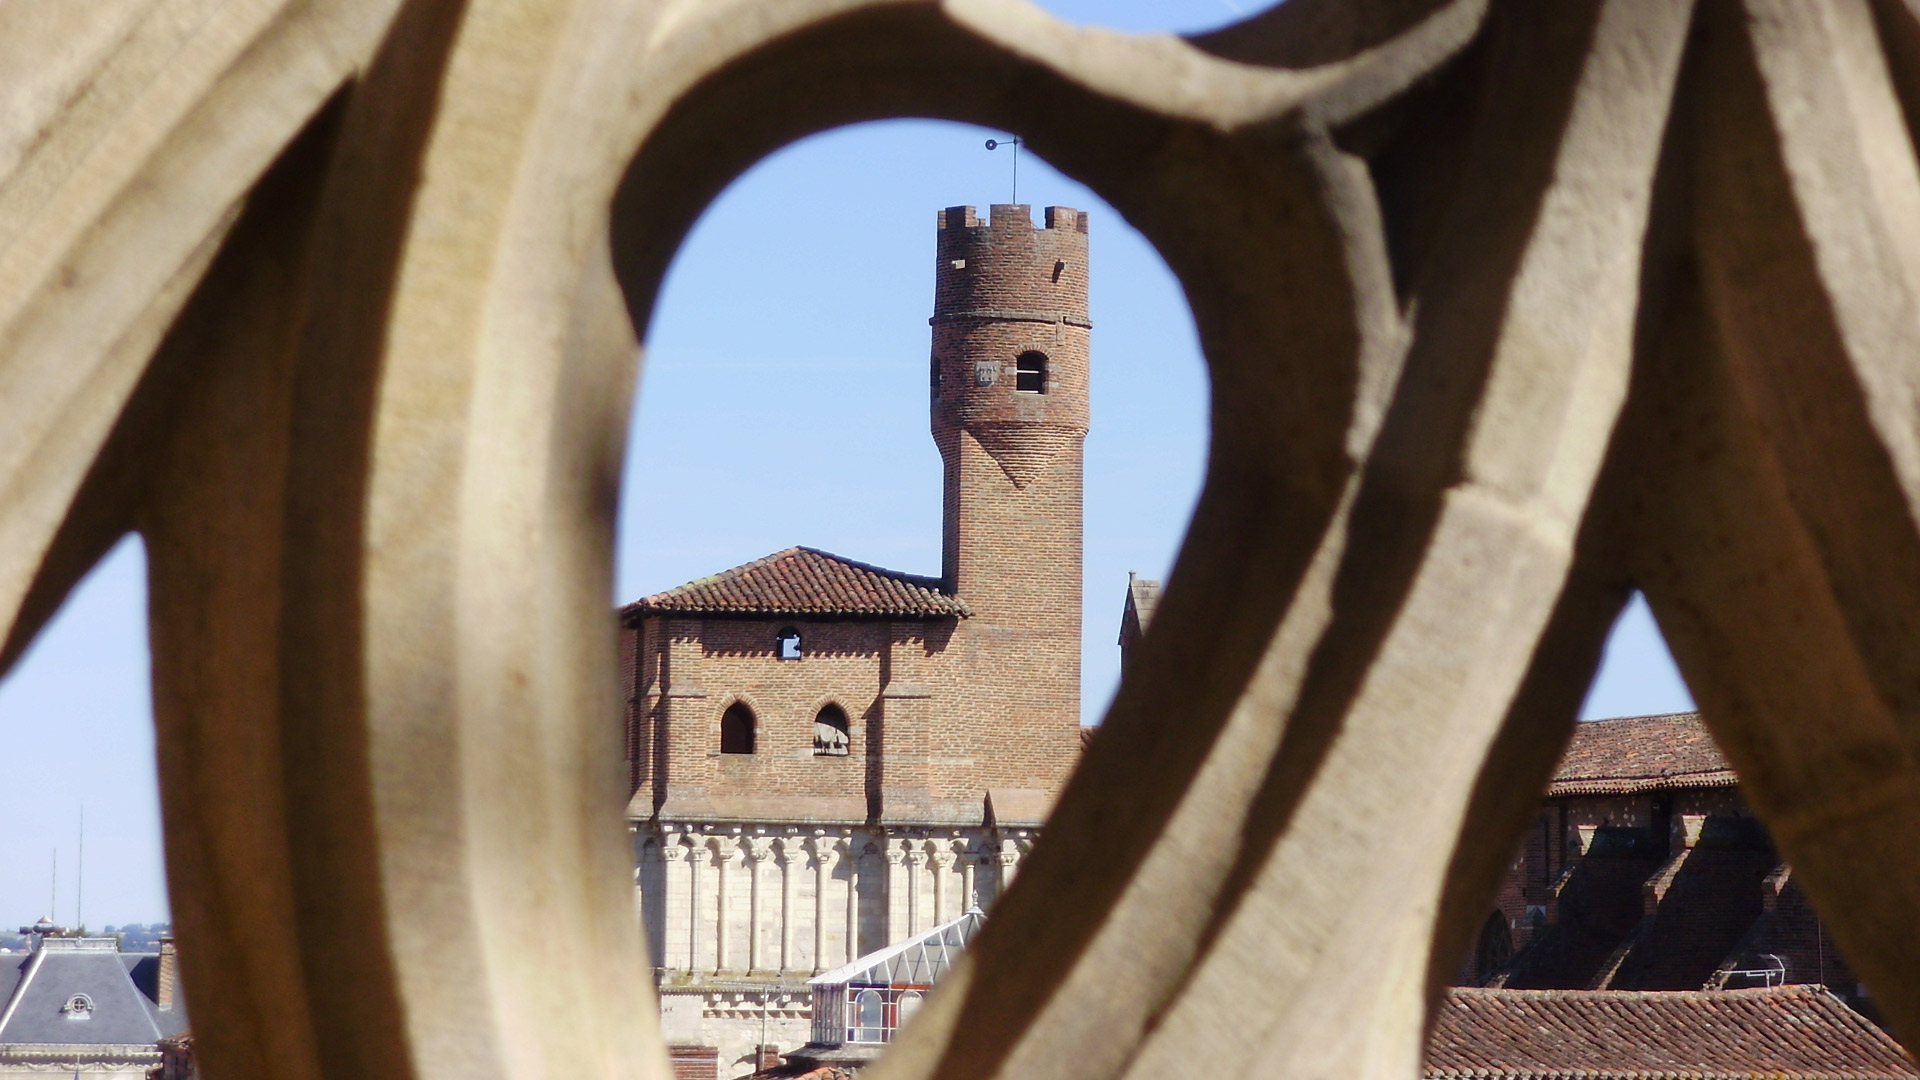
<point x="1640" y="753"/>
<point x="803" y="581"/>
<point x="1783" y="1033"/>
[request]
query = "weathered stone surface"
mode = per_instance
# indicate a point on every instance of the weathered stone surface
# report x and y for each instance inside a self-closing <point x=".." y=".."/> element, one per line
<point x="1509" y="308"/>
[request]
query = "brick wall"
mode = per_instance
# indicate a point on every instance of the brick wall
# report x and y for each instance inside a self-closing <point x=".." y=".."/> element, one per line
<point x="695" y="1062"/>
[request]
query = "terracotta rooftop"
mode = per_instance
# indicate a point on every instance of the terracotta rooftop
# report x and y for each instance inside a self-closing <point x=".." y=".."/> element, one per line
<point x="1640" y="753"/>
<point x="1781" y="1033"/>
<point x="803" y="581"/>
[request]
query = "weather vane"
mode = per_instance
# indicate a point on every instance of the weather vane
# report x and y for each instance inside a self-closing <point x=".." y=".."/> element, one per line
<point x="1013" y="141"/>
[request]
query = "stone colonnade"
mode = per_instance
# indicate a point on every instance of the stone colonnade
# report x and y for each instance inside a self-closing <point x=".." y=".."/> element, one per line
<point x="798" y="900"/>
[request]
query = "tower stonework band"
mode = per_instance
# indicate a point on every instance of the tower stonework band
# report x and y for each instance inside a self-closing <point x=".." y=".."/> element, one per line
<point x="828" y="757"/>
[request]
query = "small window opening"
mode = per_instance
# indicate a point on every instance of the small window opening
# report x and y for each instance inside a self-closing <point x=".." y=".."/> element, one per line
<point x="736" y="729"/>
<point x="78" y="1007"/>
<point x="830" y="732"/>
<point x="1031" y="372"/>
<point x="789" y="640"/>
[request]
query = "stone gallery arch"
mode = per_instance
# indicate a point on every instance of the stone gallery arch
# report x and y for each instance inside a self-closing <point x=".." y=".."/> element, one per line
<point x="1509" y="307"/>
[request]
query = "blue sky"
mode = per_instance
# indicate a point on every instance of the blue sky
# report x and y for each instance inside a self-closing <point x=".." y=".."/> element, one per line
<point x="784" y="402"/>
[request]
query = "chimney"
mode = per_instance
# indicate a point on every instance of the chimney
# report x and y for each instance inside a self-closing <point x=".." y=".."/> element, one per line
<point x="766" y="1056"/>
<point x="169" y="972"/>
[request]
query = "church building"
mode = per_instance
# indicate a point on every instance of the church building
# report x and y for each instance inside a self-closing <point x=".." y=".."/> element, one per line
<point x="828" y="757"/>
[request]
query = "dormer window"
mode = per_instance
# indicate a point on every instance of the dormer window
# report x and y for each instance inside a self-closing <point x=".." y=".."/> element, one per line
<point x="789" y="641"/>
<point x="78" y="1007"/>
<point x="1030" y="372"/>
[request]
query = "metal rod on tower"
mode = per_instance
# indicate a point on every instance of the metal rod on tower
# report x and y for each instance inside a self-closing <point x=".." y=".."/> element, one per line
<point x="1013" y="141"/>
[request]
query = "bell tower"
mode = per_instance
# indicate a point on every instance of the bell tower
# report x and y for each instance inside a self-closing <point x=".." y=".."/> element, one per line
<point x="1010" y="414"/>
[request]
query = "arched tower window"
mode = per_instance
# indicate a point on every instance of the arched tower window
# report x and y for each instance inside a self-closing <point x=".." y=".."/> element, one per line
<point x="736" y="729"/>
<point x="789" y="640"/>
<point x="830" y="732"/>
<point x="1030" y="372"/>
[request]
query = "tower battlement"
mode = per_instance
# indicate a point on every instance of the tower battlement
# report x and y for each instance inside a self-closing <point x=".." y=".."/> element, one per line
<point x="1012" y="215"/>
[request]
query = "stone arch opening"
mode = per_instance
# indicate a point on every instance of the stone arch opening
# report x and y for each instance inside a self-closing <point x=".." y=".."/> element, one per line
<point x="831" y="731"/>
<point x="737" y="729"/>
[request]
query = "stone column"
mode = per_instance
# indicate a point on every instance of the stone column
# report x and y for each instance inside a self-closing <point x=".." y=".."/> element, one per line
<point x="672" y="881"/>
<point x="942" y="862"/>
<point x="794" y="859"/>
<point x="916" y="862"/>
<point x="969" y="896"/>
<point x="822" y="876"/>
<point x="896" y="893"/>
<point x="723" y="936"/>
<point x="853" y="900"/>
<point x="700" y="857"/>
<point x="760" y="855"/>
<point x="1009" y="859"/>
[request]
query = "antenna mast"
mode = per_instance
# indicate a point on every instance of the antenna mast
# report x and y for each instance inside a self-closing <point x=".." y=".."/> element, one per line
<point x="1013" y="141"/>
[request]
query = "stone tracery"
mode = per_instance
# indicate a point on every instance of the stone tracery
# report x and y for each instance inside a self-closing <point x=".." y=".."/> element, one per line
<point x="1507" y="306"/>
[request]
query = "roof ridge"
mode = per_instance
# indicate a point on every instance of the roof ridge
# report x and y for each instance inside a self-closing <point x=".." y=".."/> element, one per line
<point x="1693" y="714"/>
<point x="20" y="989"/>
<point x="1785" y="990"/>
<point x="806" y="582"/>
<point x="933" y="582"/>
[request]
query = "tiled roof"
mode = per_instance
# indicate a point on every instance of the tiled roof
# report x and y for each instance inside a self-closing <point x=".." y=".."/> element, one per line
<point x="790" y="1072"/>
<point x="1782" y="1033"/>
<point x="1640" y="753"/>
<point x="803" y="581"/>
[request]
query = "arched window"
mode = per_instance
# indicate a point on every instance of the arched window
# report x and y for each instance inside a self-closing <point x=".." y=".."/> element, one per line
<point x="736" y="729"/>
<point x="870" y="1017"/>
<point x="78" y="1007"/>
<point x="1030" y="372"/>
<point x="789" y="640"/>
<point x="909" y="1004"/>
<point x="830" y="732"/>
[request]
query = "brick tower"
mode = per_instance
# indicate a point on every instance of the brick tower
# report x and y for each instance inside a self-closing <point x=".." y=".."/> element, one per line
<point x="1010" y="372"/>
<point x="830" y="757"/>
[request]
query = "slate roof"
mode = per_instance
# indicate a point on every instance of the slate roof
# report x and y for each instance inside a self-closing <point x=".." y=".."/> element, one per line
<point x="804" y="581"/>
<point x="1143" y="596"/>
<point x="1783" y="1033"/>
<point x="1640" y="753"/>
<point x="38" y="986"/>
